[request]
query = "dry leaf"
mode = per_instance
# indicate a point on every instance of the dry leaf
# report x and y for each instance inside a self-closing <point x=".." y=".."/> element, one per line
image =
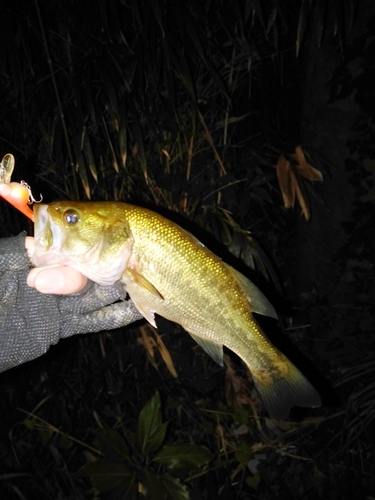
<point x="304" y="168"/>
<point x="287" y="175"/>
<point x="167" y="358"/>
<point x="149" y="344"/>
<point x="283" y="176"/>
<point x="301" y="199"/>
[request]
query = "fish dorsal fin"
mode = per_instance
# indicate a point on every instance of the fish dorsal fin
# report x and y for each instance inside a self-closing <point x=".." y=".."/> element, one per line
<point x="212" y="348"/>
<point x="257" y="300"/>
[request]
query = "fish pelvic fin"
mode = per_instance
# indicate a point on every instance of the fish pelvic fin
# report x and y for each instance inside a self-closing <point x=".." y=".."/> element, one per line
<point x="145" y="311"/>
<point x="257" y="300"/>
<point x="282" y="389"/>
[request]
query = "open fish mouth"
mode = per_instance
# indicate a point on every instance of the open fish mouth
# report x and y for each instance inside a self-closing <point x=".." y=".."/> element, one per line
<point x="40" y="224"/>
<point x="48" y="237"/>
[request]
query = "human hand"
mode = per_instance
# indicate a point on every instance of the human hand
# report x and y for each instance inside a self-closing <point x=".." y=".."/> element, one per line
<point x="32" y="321"/>
<point x="56" y="280"/>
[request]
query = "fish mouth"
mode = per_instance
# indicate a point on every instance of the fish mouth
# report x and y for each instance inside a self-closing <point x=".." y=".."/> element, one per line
<point x="40" y="221"/>
<point x="48" y="237"/>
<point x="42" y="228"/>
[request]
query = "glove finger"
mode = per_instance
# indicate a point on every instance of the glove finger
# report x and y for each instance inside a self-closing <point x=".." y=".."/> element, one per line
<point x="106" y="318"/>
<point x="92" y="297"/>
<point x="13" y="256"/>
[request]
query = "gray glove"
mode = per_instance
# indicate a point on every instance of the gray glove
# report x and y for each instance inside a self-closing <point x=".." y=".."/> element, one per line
<point x="31" y="321"/>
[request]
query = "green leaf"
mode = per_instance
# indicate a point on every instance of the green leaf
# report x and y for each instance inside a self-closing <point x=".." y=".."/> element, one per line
<point x="116" y="442"/>
<point x="127" y="490"/>
<point x="241" y="416"/>
<point x="30" y="423"/>
<point x="253" y="481"/>
<point x="244" y="453"/>
<point x="65" y="441"/>
<point x="153" y="487"/>
<point x="45" y="435"/>
<point x="104" y="473"/>
<point x="151" y="431"/>
<point x="176" y="490"/>
<point x="183" y="456"/>
<point x="369" y="164"/>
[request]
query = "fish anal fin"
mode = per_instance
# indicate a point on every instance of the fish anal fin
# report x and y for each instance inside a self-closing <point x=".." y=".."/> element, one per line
<point x="281" y="391"/>
<point x="257" y="300"/>
<point x="211" y="348"/>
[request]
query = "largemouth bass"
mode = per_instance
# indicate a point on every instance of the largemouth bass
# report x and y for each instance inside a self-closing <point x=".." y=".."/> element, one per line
<point x="167" y="271"/>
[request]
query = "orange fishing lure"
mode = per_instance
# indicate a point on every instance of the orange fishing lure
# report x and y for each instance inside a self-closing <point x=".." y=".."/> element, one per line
<point x="17" y="194"/>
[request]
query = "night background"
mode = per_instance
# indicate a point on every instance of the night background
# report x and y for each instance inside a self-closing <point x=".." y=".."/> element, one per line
<point x="251" y="123"/>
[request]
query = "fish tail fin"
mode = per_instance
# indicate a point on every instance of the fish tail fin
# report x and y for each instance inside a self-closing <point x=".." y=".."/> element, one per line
<point x="283" y="389"/>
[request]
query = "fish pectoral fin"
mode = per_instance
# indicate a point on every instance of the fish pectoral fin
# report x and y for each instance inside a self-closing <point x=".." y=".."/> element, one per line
<point x="133" y="276"/>
<point x="257" y="300"/>
<point x="212" y="348"/>
<point x="146" y="313"/>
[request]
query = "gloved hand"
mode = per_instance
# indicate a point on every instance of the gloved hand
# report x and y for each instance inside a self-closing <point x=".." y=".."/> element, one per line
<point x="31" y="321"/>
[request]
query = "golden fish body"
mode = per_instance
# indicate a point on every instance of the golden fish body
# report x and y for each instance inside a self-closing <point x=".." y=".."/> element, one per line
<point x="167" y="271"/>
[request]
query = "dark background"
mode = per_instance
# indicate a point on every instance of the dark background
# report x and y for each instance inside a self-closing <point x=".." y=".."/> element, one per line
<point x="186" y="107"/>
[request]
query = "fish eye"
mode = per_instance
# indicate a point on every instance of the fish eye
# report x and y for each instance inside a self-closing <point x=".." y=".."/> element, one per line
<point x="71" y="217"/>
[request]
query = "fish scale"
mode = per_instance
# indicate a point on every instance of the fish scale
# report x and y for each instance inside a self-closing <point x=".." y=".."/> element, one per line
<point x="168" y="272"/>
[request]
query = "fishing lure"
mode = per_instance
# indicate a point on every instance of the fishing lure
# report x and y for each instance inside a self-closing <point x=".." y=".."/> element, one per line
<point x="17" y="194"/>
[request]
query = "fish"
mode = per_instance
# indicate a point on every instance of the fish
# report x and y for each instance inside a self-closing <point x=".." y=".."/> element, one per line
<point x="168" y="272"/>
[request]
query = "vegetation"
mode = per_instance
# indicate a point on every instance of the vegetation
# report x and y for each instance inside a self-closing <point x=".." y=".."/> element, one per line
<point x="193" y="109"/>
